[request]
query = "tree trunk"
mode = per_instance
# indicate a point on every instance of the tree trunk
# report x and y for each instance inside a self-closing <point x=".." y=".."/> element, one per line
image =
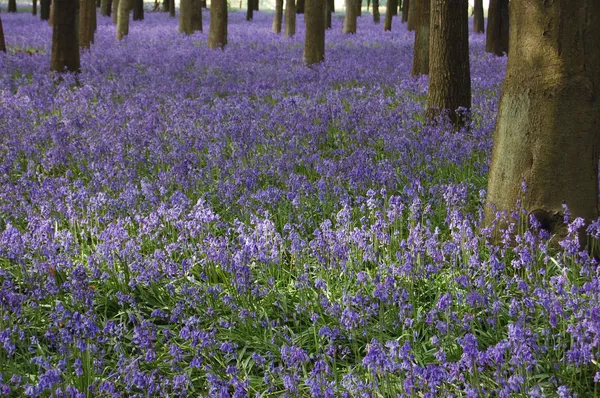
<point x="387" y="22"/>
<point x="203" y="3"/>
<point x="44" y="10"/>
<point x="411" y="21"/>
<point x="2" y="42"/>
<point x="478" y="20"/>
<point x="34" y="7"/>
<point x="350" y="17"/>
<point x="249" y="10"/>
<point x="358" y="8"/>
<point x="405" y="7"/>
<point x="12" y="5"/>
<point x="86" y="24"/>
<point x="368" y="5"/>
<point x="65" y="37"/>
<point x="496" y="40"/>
<point x="255" y="4"/>
<point x="330" y="10"/>
<point x="217" y="36"/>
<point x="138" y="10"/>
<point x="300" y="6"/>
<point x="277" y="16"/>
<point x="449" y="73"/>
<point x="190" y="16"/>
<point x="115" y="11"/>
<point x="376" y="16"/>
<point x="421" y="48"/>
<point x="51" y="18"/>
<point x="394" y="5"/>
<point x="105" y="7"/>
<point x="165" y="5"/>
<point x="314" y="42"/>
<point x="290" y="18"/>
<point x="172" y="8"/>
<point x="123" y="19"/>
<point x="549" y="115"/>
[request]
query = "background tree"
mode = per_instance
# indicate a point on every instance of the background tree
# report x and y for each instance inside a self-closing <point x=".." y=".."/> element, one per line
<point x="478" y="20"/>
<point x="12" y="5"/>
<point x="2" y="42"/>
<point x="394" y="6"/>
<point x="255" y="5"/>
<point x="300" y="7"/>
<point x="496" y="40"/>
<point x="166" y="5"/>
<point x="44" y="10"/>
<point x="277" y="16"/>
<point x="34" y="7"/>
<point x="203" y="3"/>
<point x="105" y="7"/>
<point x="358" y="7"/>
<point x="314" y="42"/>
<point x="449" y="72"/>
<point x="249" y="10"/>
<point x="51" y="18"/>
<point x="115" y="11"/>
<point x="411" y="18"/>
<point x="217" y="35"/>
<point x="330" y="10"/>
<point x="547" y="133"/>
<point x="138" y="10"/>
<point x="405" y="6"/>
<point x="190" y="16"/>
<point x="172" y="8"/>
<point x="421" y="48"/>
<point x="290" y="18"/>
<point x="376" y="15"/>
<point x="351" y="15"/>
<point x="87" y="14"/>
<point x="387" y="22"/>
<point x="65" y="37"/>
<point x="123" y="19"/>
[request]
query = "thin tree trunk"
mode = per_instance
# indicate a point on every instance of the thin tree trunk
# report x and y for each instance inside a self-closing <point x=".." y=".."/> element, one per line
<point x="115" y="11"/>
<point x="411" y="21"/>
<point x="138" y="10"/>
<point x="65" y="37"/>
<point x="300" y="6"/>
<point x="105" y="7"/>
<point x="190" y="16"/>
<point x="496" y="40"/>
<point x="86" y="24"/>
<point x="376" y="16"/>
<point x="547" y="129"/>
<point x="277" y="17"/>
<point x="165" y="5"/>
<point x="172" y="8"/>
<point x="405" y="7"/>
<point x="350" y="17"/>
<point x="217" y="36"/>
<point x="358" y="8"/>
<point x="478" y="20"/>
<point x="394" y="5"/>
<point x="123" y="19"/>
<point x="34" y="7"/>
<point x="249" y="10"/>
<point x="2" y="42"/>
<point x="330" y="10"/>
<point x="449" y="73"/>
<point x="368" y="5"/>
<point x="387" y="23"/>
<point x="44" y="10"/>
<point x="290" y="18"/>
<point x="255" y="4"/>
<point x="314" y="42"/>
<point x="12" y="5"/>
<point x="421" y="47"/>
<point x="203" y="3"/>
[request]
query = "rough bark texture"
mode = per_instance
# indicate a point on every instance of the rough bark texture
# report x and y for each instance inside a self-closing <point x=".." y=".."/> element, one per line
<point x="44" y="10"/>
<point x="172" y="8"/>
<point x="412" y="18"/>
<point x="138" y="10"/>
<point x="65" y="36"/>
<point x="405" y="7"/>
<point x="277" y="16"/>
<point x="314" y="43"/>
<point x="249" y="10"/>
<point x="34" y="7"/>
<point x="105" y="7"/>
<point x="449" y="73"/>
<point x="2" y="42"/>
<point x="350" y="17"/>
<point x="115" y="11"/>
<point x="300" y="6"/>
<point x="123" y="19"/>
<point x="387" y="22"/>
<point x="547" y="133"/>
<point x="290" y="18"/>
<point x="217" y="36"/>
<point x="376" y="15"/>
<point x="190" y="16"/>
<point x="421" y="48"/>
<point x="496" y="40"/>
<point x="12" y="5"/>
<point x="478" y="20"/>
<point x="86" y="23"/>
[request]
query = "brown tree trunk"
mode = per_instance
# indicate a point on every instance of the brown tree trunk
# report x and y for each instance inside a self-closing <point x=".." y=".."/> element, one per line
<point x="300" y="6"/>
<point x="449" y="72"/>
<point x="421" y="48"/>
<point x="2" y="42"/>
<point x="255" y="4"/>
<point x="44" y="10"/>
<point x="405" y="6"/>
<point x="496" y="40"/>
<point x="358" y="8"/>
<point x="547" y="133"/>
<point x="115" y="11"/>
<point x="172" y="8"/>
<point x="478" y="20"/>
<point x="51" y="18"/>
<point x="314" y="42"/>
<point x="330" y="10"/>
<point x="165" y="5"/>
<point x="387" y="22"/>
<point x="290" y="18"/>
<point x="123" y="19"/>
<point x="203" y="3"/>
<point x="34" y="7"/>
<point x="277" y="17"/>
<point x="249" y="10"/>
<point x="217" y="35"/>
<point x="12" y="5"/>
<point x="105" y="7"/>
<point x="394" y="4"/>
<point x="350" y="17"/>
<point x="138" y="10"/>
<point x="376" y="16"/>
<point x="190" y="16"/>
<point x="411" y="21"/>
<point x="65" y="37"/>
<point x="87" y="12"/>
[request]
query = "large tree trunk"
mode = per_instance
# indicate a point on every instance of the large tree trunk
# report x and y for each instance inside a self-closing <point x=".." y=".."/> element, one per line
<point x="217" y="36"/>
<point x="277" y="16"/>
<point x="350" y="17"/>
<point x="547" y="133"/>
<point x="105" y="7"/>
<point x="405" y="7"/>
<point x="478" y="20"/>
<point x="387" y="22"/>
<point x="300" y="7"/>
<point x="115" y="11"/>
<point x="249" y="10"/>
<point x="290" y="18"/>
<point x="138" y="10"/>
<point x="86" y="23"/>
<point x="51" y="18"/>
<point x="190" y="16"/>
<point x="44" y="10"/>
<point x="34" y="7"/>
<point x="2" y="42"/>
<point x="12" y="5"/>
<point x="449" y="73"/>
<point x="314" y="42"/>
<point x="496" y="40"/>
<point x="123" y="19"/>
<point x="394" y="5"/>
<point x="172" y="8"/>
<point x="376" y="16"/>
<point x="421" y="47"/>
<point x="412" y="17"/>
<point x="65" y="36"/>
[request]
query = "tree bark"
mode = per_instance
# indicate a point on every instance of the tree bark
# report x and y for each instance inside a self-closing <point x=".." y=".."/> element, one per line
<point x="421" y="48"/>
<point x="34" y="7"/>
<point x="358" y="8"/>
<point x="449" y="73"/>
<point x="314" y="42"/>
<point x="165" y="5"/>
<point x="217" y="36"/>
<point x="290" y="18"/>
<point x="387" y="22"/>
<point x="411" y="18"/>
<point x="123" y="19"/>
<point x="376" y="16"/>
<point x="105" y="7"/>
<point x="87" y="12"/>
<point x="2" y="42"/>
<point x="44" y="10"/>
<point x="300" y="6"/>
<point x="115" y="11"/>
<point x="203" y="3"/>
<point x="138" y="10"/>
<point x="330" y="10"/>
<point x="405" y="7"/>
<point x="12" y="5"/>
<point x="478" y="20"/>
<point x="249" y="10"/>
<point x="496" y="40"/>
<point x="277" y="16"/>
<point x="190" y="16"/>
<point x="549" y="115"/>
<point x="65" y="37"/>
<point x="172" y="8"/>
<point x="255" y="5"/>
<point x="351" y="15"/>
<point x="51" y="18"/>
<point x="394" y="4"/>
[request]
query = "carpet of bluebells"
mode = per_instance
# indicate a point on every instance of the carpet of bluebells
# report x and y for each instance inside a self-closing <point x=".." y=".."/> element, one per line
<point x="178" y="221"/>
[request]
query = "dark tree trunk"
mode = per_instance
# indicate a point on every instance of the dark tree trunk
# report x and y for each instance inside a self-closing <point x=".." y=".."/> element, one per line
<point x="290" y="18"/>
<point x="115" y="11"/>
<point x="249" y="10"/>
<point x="277" y="16"/>
<point x="449" y="73"/>
<point x="368" y="5"/>
<point x="172" y="8"/>
<point x="411" y="21"/>
<point x="44" y="10"/>
<point x="2" y="42"/>
<point x="138" y="10"/>
<point x="358" y="8"/>
<point x="98" y="3"/>
<point x="12" y="5"/>
<point x="87" y="12"/>
<point x="300" y="6"/>
<point x="165" y="5"/>
<point x="255" y="5"/>
<point x="394" y="5"/>
<point x="190" y="16"/>
<point x="217" y="36"/>
<point x="330" y="10"/>
<point x="34" y="7"/>
<point x="314" y="42"/>
<point x="51" y="19"/>
<point x="65" y="37"/>
<point x="478" y="20"/>
<point x="351" y="15"/>
<point x="549" y="115"/>
<point x="123" y="19"/>
<point x="376" y="16"/>
<point x="203" y="3"/>
<point x="387" y="22"/>
<point x="105" y="7"/>
<point x="496" y="40"/>
<point x="421" y="48"/>
<point x="405" y="7"/>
